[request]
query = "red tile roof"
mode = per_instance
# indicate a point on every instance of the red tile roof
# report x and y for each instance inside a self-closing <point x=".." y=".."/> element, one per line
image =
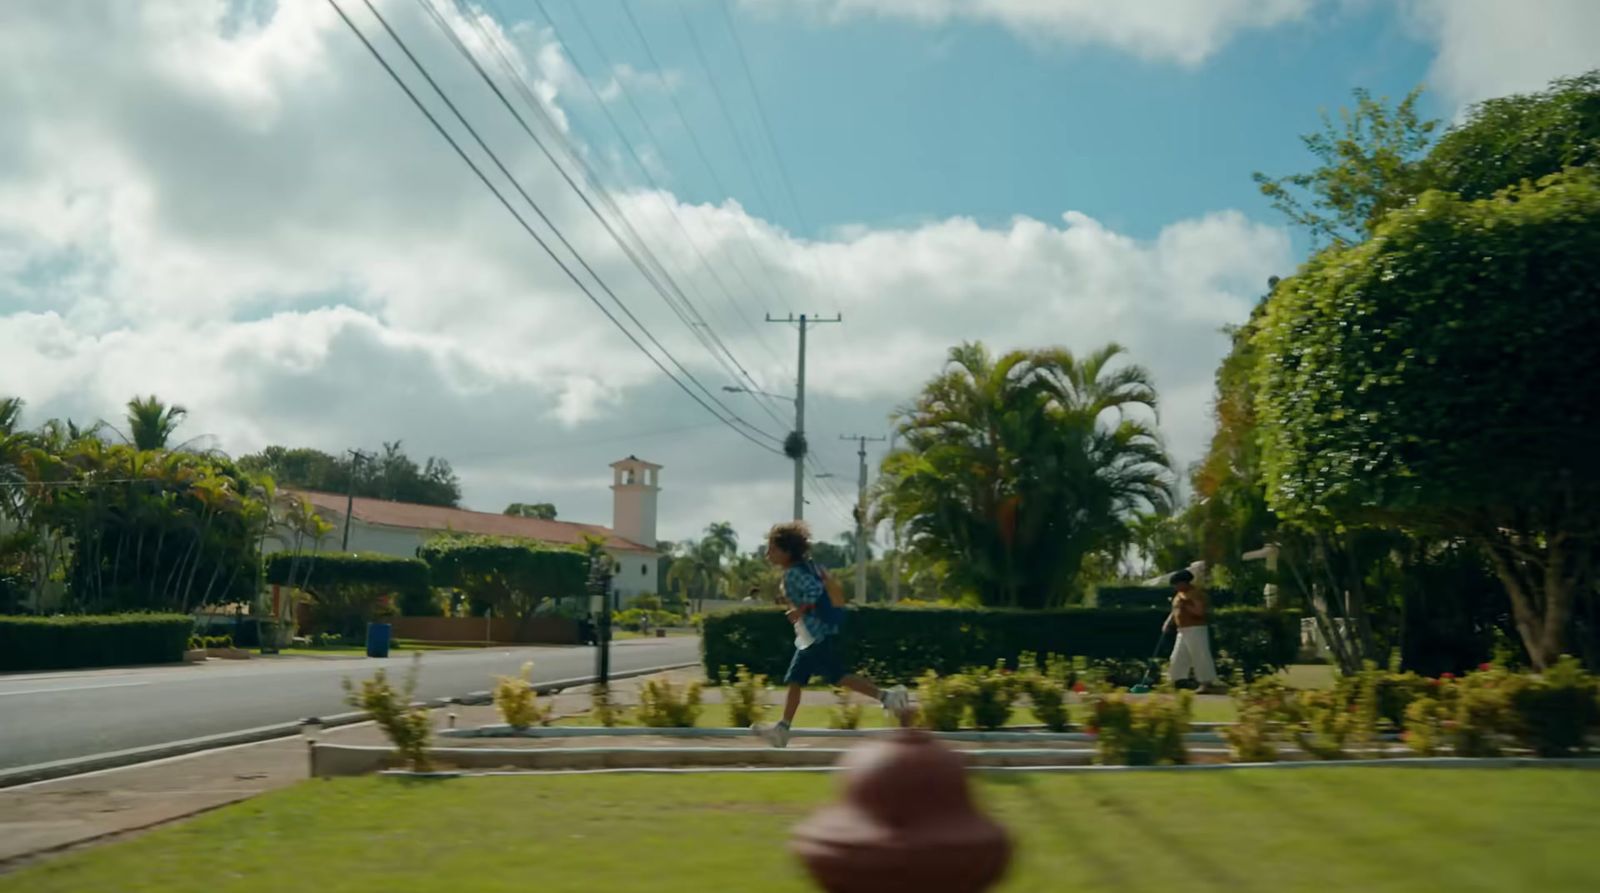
<point x="432" y="517"/>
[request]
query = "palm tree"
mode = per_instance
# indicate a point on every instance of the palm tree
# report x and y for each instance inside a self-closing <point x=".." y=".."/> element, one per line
<point x="1017" y="467"/>
<point x="151" y="422"/>
<point x="698" y="573"/>
<point x="722" y="538"/>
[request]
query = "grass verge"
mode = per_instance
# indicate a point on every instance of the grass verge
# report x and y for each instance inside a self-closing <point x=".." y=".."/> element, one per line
<point x="1374" y="830"/>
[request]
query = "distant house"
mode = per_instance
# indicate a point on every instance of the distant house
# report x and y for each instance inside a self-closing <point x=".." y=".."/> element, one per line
<point x="398" y="528"/>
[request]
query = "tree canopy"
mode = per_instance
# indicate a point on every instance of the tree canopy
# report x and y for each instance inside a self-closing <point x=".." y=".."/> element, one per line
<point x="389" y="475"/>
<point x="513" y="577"/>
<point x="1446" y="373"/>
<point x="1014" y="468"/>
<point x="542" y="511"/>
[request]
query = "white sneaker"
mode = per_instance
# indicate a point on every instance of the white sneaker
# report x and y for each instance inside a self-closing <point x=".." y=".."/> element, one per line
<point x="897" y="702"/>
<point x="775" y="733"/>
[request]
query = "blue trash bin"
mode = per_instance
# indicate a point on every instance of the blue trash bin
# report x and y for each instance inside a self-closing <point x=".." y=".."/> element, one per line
<point x="378" y="639"/>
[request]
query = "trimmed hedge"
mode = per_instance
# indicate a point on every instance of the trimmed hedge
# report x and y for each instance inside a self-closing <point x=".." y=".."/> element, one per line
<point x="409" y="579"/>
<point x="900" y="644"/>
<point x="1152" y="597"/>
<point x="64" y="643"/>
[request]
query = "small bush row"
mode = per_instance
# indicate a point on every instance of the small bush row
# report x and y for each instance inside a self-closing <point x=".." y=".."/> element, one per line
<point x="199" y="643"/>
<point x="1481" y="714"/>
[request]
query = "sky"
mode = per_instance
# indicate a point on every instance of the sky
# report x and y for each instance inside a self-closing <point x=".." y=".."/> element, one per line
<point x="230" y="204"/>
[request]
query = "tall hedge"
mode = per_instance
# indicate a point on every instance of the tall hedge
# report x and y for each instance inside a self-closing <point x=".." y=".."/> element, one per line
<point x="409" y="579"/>
<point x="64" y="643"/>
<point x="1153" y="597"/>
<point x="899" y="644"/>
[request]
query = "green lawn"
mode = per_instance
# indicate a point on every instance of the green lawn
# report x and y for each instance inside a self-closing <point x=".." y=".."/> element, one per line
<point x="1320" y="830"/>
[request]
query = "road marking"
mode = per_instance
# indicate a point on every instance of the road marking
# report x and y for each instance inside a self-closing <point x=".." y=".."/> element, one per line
<point x="40" y="691"/>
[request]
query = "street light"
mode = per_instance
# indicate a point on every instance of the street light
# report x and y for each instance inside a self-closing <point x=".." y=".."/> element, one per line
<point x="738" y="390"/>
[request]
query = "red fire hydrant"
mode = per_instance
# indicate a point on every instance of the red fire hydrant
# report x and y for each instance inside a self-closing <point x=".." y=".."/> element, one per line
<point x="907" y="825"/>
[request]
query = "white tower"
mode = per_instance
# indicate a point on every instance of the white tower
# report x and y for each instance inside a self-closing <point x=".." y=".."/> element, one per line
<point x="634" y="486"/>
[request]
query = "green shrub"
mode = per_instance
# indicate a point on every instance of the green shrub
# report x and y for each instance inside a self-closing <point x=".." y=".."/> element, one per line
<point x="518" y="701"/>
<point x="1266" y="709"/>
<point x="993" y="696"/>
<point x="1047" y="688"/>
<point x="899" y="644"/>
<point x="1482" y="714"/>
<point x="663" y="705"/>
<point x="1328" y="721"/>
<point x="604" y="706"/>
<point x="407" y="726"/>
<point x="943" y="700"/>
<point x="1425" y="731"/>
<point x="208" y="642"/>
<point x="846" y="714"/>
<point x="64" y="643"/>
<point x="1144" y="731"/>
<point x="746" y="698"/>
<point x="1554" y="712"/>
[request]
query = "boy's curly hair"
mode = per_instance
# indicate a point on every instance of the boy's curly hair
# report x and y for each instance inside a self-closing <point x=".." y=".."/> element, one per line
<point x="793" y="537"/>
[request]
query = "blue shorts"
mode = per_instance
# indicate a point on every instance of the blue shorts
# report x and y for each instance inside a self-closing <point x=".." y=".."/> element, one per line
<point x="822" y="659"/>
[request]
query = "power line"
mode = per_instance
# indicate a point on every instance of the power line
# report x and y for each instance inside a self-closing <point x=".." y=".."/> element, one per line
<point x="702" y="330"/>
<point x="694" y="140"/>
<point x="660" y="190"/>
<point x="551" y="446"/>
<point x="548" y="222"/>
<point x="761" y="113"/>
<point x="727" y="115"/>
<point x="526" y="226"/>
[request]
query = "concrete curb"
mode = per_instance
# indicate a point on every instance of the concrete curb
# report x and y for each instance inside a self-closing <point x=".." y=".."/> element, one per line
<point x="132" y="756"/>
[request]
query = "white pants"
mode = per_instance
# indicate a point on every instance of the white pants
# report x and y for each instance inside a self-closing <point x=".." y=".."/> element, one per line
<point x="1192" y="651"/>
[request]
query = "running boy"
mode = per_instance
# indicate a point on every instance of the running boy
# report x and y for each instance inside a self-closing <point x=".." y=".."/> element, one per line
<point x="816" y="622"/>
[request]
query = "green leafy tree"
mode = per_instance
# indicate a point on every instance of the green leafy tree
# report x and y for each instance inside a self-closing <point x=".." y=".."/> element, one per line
<point x="512" y="577"/>
<point x="1371" y="164"/>
<point x="1017" y="467"/>
<point x="1507" y="140"/>
<point x="1412" y="380"/>
<point x="389" y="475"/>
<point x="542" y="511"/>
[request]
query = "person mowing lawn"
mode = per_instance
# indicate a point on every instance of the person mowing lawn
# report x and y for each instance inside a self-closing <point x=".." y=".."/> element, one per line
<point x="1192" y="650"/>
<point x="817" y="618"/>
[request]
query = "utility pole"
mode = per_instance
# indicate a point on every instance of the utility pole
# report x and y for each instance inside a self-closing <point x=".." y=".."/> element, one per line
<point x="861" y="516"/>
<point x="795" y="446"/>
<point x="894" y="532"/>
<point x="350" y="497"/>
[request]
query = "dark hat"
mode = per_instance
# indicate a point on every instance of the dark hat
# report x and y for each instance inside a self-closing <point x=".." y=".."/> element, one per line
<point x="1181" y="577"/>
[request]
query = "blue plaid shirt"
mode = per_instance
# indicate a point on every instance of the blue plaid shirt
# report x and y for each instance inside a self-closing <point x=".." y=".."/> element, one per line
<point x="803" y="587"/>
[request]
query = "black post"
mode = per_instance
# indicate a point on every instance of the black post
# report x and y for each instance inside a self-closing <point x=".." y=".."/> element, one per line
<point x="600" y="585"/>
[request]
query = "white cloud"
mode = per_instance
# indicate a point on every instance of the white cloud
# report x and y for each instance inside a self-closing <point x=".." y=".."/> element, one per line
<point x="1490" y="48"/>
<point x="291" y="253"/>
<point x="1182" y="31"/>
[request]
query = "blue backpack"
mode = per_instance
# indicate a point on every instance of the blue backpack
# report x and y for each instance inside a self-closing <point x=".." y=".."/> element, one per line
<point x="830" y="608"/>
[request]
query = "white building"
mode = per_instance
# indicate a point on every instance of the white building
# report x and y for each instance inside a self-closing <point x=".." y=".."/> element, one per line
<point x="398" y="528"/>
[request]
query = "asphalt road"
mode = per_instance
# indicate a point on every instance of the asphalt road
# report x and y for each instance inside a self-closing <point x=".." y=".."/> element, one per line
<point x="55" y="716"/>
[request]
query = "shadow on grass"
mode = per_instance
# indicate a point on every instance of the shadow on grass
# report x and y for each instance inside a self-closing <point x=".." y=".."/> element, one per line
<point x="1195" y="848"/>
